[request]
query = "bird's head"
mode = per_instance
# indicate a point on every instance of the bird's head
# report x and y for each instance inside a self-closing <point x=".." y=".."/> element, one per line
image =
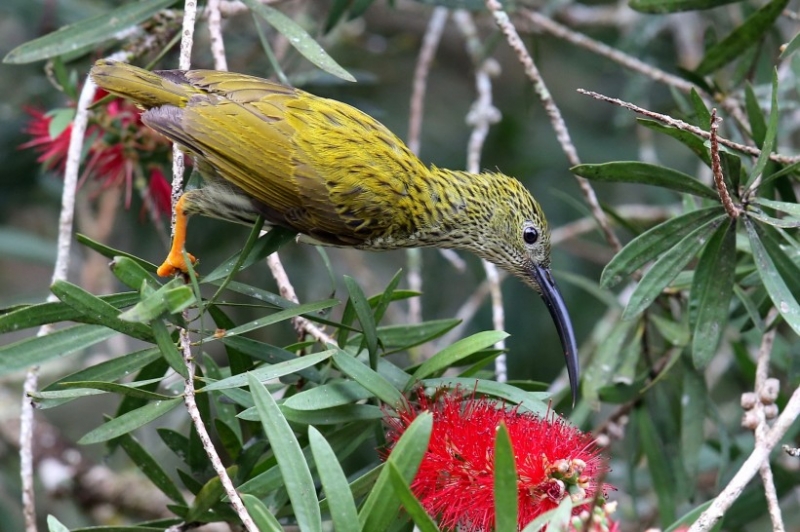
<point x="517" y="239"/>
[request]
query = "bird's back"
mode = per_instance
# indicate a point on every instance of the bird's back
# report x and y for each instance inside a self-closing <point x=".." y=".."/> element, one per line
<point x="317" y="165"/>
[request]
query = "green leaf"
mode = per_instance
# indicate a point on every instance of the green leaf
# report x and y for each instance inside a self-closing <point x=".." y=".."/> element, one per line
<point x="128" y="389"/>
<point x="781" y="296"/>
<point x="129" y="421"/>
<point x="365" y="317"/>
<point x="645" y="174"/>
<point x="557" y="518"/>
<point x="690" y="140"/>
<point x="109" y="370"/>
<point x="36" y="315"/>
<point x="210" y="494"/>
<point x="401" y="337"/>
<point x="791" y="47"/>
<point x="112" y="253"/>
<point x="306" y="308"/>
<point x="262" y="517"/>
<point x="132" y="274"/>
<point x="675" y="6"/>
<point x="97" y="310"/>
<point x="755" y="115"/>
<point x="172" y="298"/>
<point x="86" y="32"/>
<point x="739" y="40"/>
<point x="267" y="353"/>
<point x="712" y="289"/>
<point x="40" y="349"/>
<point x="601" y="369"/>
<point x="691" y="516"/>
<point x="54" y="525"/>
<point x="506" y="510"/>
<point x="380" y="508"/>
<point x="168" y="348"/>
<point x="772" y="127"/>
<point x="531" y="401"/>
<point x="662" y="480"/>
<point x="693" y="415"/>
<point x="369" y="379"/>
<point x="451" y="355"/>
<point x="150" y="467"/>
<point x="295" y="472"/>
<point x="328" y="395"/>
<point x="269" y="372"/>
<point x="338" y="415"/>
<point x="793" y="209"/>
<point x="299" y="38"/>
<point x="334" y="482"/>
<point x="410" y="503"/>
<point x="667" y="267"/>
<point x="264" y="246"/>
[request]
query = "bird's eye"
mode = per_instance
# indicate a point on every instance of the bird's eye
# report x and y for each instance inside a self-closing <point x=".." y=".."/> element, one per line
<point x="530" y="235"/>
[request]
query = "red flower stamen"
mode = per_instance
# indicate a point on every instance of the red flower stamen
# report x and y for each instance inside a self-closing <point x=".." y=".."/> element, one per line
<point x="455" y="481"/>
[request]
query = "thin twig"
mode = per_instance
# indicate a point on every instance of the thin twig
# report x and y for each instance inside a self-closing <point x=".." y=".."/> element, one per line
<point x="185" y="63"/>
<point x="64" y="245"/>
<point x="716" y="169"/>
<point x="215" y="34"/>
<point x="554" y="113"/>
<point x="430" y="42"/>
<point x="761" y="377"/>
<point x="287" y="291"/>
<point x="750" y="467"/>
<point x="481" y="117"/>
<point x="680" y="124"/>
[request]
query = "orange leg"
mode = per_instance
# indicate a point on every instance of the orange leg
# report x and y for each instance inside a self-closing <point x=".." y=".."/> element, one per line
<point x="174" y="262"/>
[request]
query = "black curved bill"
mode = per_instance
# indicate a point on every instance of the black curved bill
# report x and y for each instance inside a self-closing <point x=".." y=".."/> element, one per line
<point x="558" y="310"/>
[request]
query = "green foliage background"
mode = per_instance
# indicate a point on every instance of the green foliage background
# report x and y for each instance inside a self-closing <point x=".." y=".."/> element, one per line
<point x="663" y="384"/>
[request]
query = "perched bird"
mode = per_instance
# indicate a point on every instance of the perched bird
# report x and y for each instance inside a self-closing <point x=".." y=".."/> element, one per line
<point x="333" y="174"/>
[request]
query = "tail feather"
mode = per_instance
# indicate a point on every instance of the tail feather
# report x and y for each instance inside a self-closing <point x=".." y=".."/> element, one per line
<point x="147" y="89"/>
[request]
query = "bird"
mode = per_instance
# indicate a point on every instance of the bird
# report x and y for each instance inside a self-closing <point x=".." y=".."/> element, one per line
<point x="333" y="174"/>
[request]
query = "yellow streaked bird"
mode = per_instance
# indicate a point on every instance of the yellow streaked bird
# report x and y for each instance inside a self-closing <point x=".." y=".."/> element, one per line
<point x="333" y="174"/>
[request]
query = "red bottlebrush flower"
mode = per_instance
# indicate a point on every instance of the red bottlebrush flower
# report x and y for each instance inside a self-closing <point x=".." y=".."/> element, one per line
<point x="455" y="481"/>
<point x="159" y="191"/>
<point x="52" y="151"/>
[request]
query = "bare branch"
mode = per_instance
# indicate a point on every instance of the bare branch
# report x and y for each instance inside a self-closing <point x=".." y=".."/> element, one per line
<point x="716" y="169"/>
<point x="680" y="124"/>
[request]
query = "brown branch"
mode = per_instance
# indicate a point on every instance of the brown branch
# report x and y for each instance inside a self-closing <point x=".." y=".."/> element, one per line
<point x="680" y="124"/>
<point x="716" y="169"/>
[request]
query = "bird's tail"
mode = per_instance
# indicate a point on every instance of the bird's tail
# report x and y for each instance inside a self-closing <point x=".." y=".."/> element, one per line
<point x="145" y="88"/>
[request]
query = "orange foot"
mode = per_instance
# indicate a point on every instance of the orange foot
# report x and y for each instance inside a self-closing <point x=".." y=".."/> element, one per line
<point x="174" y="263"/>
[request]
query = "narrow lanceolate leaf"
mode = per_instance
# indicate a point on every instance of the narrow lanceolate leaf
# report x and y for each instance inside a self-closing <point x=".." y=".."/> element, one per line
<point x="334" y="482"/>
<point x="693" y="414"/>
<point x="658" y="465"/>
<point x="449" y="356"/>
<point x="690" y="140"/>
<point x="96" y="310"/>
<point x="749" y="33"/>
<point x="306" y="308"/>
<point x="150" y="467"/>
<point x="36" y="315"/>
<point x="168" y="348"/>
<point x="295" y="472"/>
<point x="772" y="130"/>
<point x="269" y="372"/>
<point x="781" y="296"/>
<point x="171" y="298"/>
<point x="410" y="503"/>
<point x="86" y="32"/>
<point x="712" y="289"/>
<point x="40" y="349"/>
<point x="262" y="517"/>
<point x="645" y="174"/>
<point x="667" y="267"/>
<point x="674" y="6"/>
<point x="299" y="38"/>
<point x="654" y="242"/>
<point x="506" y="510"/>
<point x="369" y="379"/>
<point x="365" y="317"/>
<point x="381" y="507"/>
<point x="792" y="209"/>
<point x="129" y="421"/>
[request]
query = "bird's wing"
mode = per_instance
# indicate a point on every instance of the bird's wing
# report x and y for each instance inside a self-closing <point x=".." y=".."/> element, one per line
<point x="332" y="171"/>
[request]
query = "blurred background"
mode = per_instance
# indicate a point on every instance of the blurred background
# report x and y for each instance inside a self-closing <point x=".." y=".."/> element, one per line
<point x="380" y="48"/>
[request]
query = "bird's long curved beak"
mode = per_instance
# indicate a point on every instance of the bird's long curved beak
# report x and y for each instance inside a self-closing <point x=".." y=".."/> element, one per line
<point x="558" y="310"/>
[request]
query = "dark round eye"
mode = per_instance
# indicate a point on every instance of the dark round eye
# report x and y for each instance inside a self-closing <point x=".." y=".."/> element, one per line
<point x="530" y="235"/>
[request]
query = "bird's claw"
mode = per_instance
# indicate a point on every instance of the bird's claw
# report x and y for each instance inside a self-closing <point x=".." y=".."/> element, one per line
<point x="174" y="263"/>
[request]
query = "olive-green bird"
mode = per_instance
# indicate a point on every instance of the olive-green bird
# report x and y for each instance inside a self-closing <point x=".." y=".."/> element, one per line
<point x="333" y="174"/>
